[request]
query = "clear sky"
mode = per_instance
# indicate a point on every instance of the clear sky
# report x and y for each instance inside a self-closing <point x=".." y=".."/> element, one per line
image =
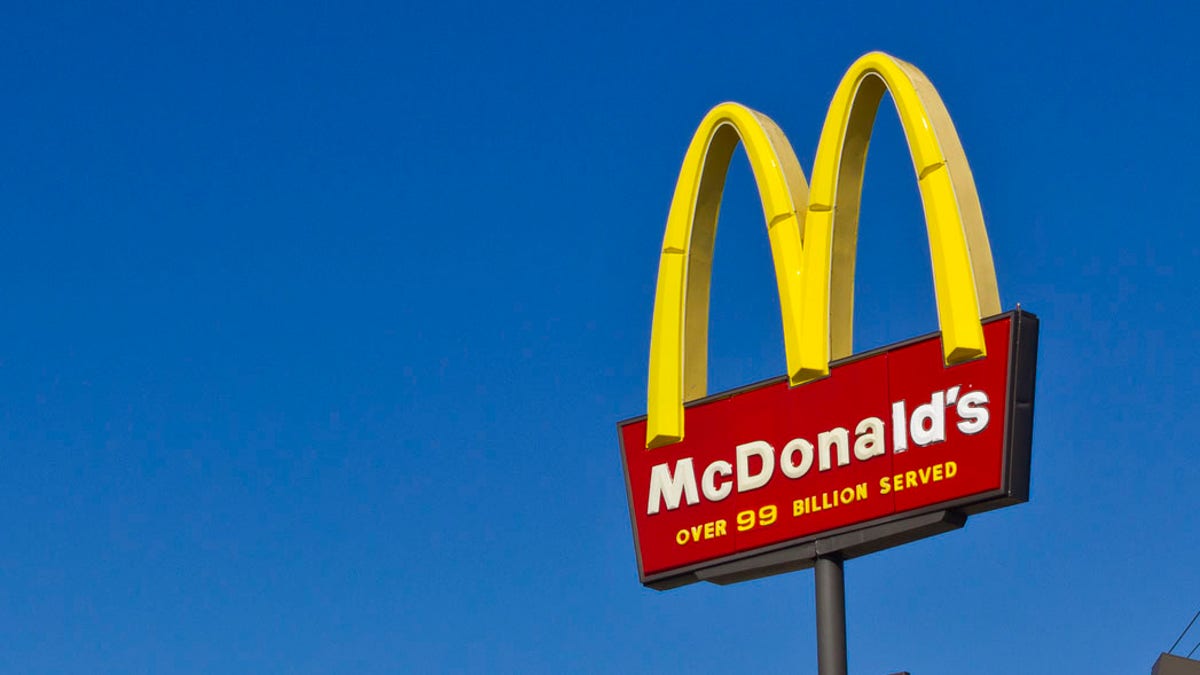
<point x="318" y="319"/>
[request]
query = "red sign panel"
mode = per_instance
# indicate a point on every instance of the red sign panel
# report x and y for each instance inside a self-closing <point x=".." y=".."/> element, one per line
<point x="888" y="434"/>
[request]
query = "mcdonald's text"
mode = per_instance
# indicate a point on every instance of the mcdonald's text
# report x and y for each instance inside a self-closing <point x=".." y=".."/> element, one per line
<point x="927" y="425"/>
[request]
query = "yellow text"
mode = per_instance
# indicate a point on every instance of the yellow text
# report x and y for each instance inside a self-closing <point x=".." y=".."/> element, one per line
<point x="709" y="530"/>
<point x="912" y="479"/>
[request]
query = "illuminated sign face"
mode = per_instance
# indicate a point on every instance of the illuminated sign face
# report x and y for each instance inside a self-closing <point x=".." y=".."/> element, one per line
<point x="890" y="433"/>
<point x="842" y="448"/>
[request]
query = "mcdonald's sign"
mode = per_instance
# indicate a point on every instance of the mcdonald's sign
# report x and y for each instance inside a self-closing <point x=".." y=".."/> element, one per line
<point x="846" y="453"/>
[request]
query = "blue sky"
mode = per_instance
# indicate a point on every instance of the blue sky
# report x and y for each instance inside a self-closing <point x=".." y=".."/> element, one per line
<point x="318" y="321"/>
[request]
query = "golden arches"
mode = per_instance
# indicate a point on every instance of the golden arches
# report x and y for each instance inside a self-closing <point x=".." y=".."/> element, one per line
<point x="679" y="336"/>
<point x="964" y="276"/>
<point x="814" y="250"/>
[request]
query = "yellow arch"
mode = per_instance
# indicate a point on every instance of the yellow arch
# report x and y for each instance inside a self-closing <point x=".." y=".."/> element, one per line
<point x="963" y="272"/>
<point x="679" y="336"/>
<point x="814" y="250"/>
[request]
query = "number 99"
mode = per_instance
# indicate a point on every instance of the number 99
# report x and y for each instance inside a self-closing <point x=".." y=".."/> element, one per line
<point x="765" y="516"/>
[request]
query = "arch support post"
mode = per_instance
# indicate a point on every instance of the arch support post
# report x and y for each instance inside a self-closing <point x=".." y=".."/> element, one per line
<point x="831" y="615"/>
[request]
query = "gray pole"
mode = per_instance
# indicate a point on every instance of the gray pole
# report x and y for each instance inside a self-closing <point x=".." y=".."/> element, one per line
<point x="831" y="616"/>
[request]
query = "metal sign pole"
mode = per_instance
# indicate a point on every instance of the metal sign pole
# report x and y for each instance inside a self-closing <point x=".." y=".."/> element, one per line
<point x="831" y="616"/>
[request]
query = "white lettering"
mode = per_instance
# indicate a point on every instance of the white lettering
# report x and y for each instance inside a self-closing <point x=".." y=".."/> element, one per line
<point x="665" y="487"/>
<point x="929" y="421"/>
<point x="745" y="481"/>
<point x="838" y="437"/>
<point x="708" y="482"/>
<point x="899" y="427"/>
<point x="974" y="418"/>
<point x="790" y="468"/>
<point x="869" y="441"/>
<point x="755" y="462"/>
